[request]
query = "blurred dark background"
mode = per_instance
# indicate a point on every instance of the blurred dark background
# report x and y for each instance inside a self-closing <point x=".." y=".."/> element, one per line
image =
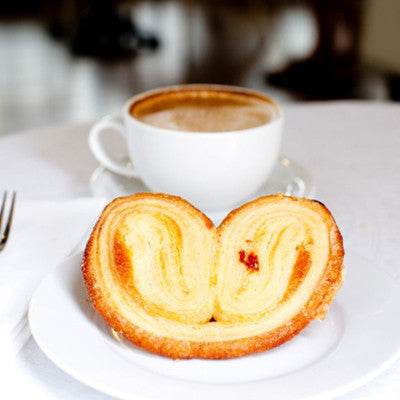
<point x="67" y="61"/>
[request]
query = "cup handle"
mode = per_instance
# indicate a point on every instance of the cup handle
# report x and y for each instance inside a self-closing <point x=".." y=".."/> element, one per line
<point x="114" y="123"/>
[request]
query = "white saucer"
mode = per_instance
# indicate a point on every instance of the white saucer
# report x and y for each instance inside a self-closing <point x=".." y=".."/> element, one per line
<point x="287" y="177"/>
<point x="359" y="339"/>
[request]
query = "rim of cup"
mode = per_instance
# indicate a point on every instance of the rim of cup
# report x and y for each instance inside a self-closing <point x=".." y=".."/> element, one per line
<point x="210" y="87"/>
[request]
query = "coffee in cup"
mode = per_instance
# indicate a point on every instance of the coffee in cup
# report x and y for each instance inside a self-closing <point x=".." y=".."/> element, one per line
<point x="203" y="111"/>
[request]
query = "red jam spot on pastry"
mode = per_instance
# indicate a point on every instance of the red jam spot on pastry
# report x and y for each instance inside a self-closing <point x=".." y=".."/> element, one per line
<point x="250" y="260"/>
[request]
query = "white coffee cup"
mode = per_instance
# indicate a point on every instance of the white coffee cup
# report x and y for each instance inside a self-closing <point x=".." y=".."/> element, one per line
<point x="213" y="170"/>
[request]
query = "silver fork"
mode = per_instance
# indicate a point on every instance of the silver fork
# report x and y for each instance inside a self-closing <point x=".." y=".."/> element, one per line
<point x="4" y="235"/>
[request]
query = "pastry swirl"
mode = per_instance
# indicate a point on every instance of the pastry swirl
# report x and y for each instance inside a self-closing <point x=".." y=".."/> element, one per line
<point x="161" y="274"/>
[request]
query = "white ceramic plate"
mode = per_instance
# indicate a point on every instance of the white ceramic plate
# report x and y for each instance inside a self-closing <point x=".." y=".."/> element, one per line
<point x="359" y="339"/>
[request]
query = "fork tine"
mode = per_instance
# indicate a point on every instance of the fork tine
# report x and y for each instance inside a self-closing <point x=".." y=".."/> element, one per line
<point x="2" y="207"/>
<point x="4" y="236"/>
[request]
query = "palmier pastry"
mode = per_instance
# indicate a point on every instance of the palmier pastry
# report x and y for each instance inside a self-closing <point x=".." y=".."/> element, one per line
<point x="162" y="275"/>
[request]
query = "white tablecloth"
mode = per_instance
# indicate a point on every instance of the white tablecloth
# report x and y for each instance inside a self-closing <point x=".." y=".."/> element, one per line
<point x="352" y="150"/>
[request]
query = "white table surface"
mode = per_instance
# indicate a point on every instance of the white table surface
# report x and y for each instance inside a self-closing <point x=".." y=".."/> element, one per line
<point x="352" y="150"/>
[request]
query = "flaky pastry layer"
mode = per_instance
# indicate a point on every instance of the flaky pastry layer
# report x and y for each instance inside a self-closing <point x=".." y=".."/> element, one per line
<point x="162" y="275"/>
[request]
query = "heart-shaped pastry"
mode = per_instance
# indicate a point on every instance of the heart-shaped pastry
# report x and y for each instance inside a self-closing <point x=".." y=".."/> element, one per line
<point x="161" y="274"/>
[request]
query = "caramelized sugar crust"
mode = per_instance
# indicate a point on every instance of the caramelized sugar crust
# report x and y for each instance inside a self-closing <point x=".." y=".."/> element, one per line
<point x="162" y="275"/>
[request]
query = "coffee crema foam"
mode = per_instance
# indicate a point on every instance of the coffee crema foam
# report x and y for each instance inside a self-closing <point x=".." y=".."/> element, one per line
<point x="204" y="110"/>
